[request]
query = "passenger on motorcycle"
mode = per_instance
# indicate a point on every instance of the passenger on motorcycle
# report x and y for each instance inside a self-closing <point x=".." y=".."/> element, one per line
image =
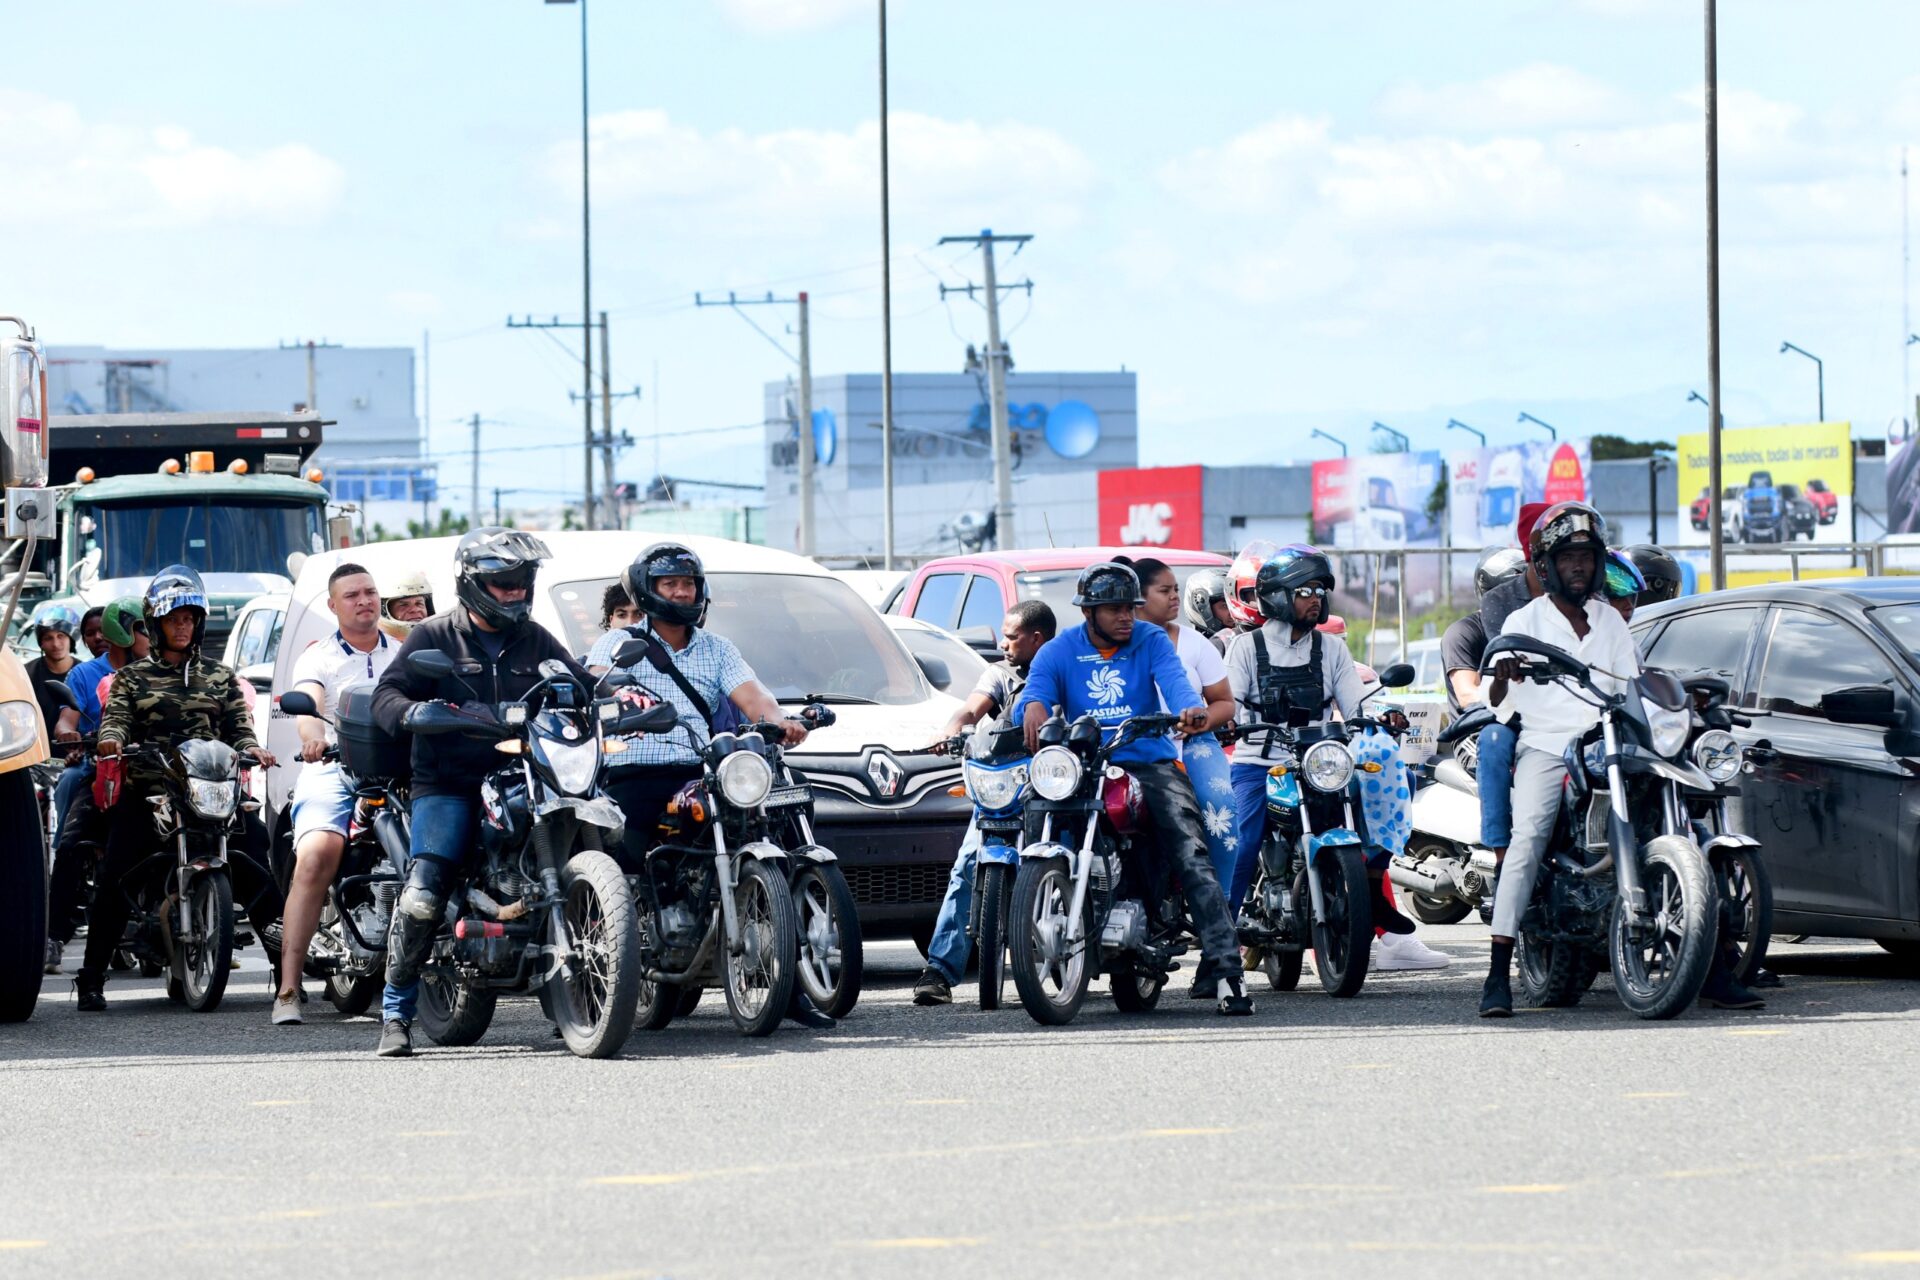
<point x="171" y="696"/>
<point x="1027" y="626"/>
<point x="90" y="634"/>
<point x="322" y="796"/>
<point x="404" y="601"/>
<point x="1114" y="670"/>
<point x="493" y="637"/>
<point x="617" y="611"/>
<point x="1465" y="641"/>
<point x="1289" y="672"/>
<point x="55" y="628"/>
<point x="1622" y="583"/>
<point x="1567" y="551"/>
<point x="1660" y="571"/>
<point x="1203" y="601"/>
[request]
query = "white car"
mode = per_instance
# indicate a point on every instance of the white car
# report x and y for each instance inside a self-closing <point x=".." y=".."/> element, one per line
<point x="882" y="803"/>
<point x="254" y="642"/>
<point x="949" y="662"/>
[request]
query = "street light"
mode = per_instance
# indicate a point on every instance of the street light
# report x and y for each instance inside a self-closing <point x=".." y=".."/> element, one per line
<point x="1820" y="372"/>
<point x="1527" y="417"/>
<point x="1454" y="424"/>
<point x="1397" y="435"/>
<point x="586" y="272"/>
<point x="1336" y="439"/>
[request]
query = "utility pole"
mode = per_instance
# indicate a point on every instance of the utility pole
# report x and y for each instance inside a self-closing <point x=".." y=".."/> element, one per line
<point x="996" y="380"/>
<point x="803" y="428"/>
<point x="886" y="317"/>
<point x="586" y="399"/>
<point x="1716" y="530"/>
<point x="606" y="414"/>
<point x="312" y="382"/>
<point x="473" y="505"/>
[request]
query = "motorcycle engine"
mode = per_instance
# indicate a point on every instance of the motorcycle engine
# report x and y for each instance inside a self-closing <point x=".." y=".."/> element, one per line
<point x="1126" y="927"/>
<point x="680" y="932"/>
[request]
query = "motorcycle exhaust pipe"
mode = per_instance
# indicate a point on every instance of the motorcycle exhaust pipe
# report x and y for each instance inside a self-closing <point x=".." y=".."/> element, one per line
<point x="1408" y="878"/>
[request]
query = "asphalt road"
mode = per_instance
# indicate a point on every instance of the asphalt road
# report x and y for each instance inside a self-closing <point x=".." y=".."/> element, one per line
<point x="1392" y="1134"/>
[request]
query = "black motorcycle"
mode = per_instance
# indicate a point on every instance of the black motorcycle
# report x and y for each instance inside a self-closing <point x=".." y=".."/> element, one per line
<point x="543" y="910"/>
<point x="1739" y="869"/>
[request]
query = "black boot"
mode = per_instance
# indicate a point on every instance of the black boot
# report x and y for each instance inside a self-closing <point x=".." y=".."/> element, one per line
<point x="1723" y="990"/>
<point x="1385" y="914"/>
<point x="90" y="993"/>
<point x="1496" y="996"/>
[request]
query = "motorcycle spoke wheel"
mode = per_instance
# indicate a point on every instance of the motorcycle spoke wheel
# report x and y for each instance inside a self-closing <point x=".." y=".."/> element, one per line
<point x="1062" y="964"/>
<point x="759" y="978"/>
<point x="1746" y="905"/>
<point x="831" y="959"/>
<point x="595" y="995"/>
<point x="1050" y="970"/>
<point x="1659" y="966"/>
<point x="202" y="959"/>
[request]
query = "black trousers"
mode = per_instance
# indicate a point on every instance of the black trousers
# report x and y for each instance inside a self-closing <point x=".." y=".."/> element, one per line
<point x="642" y="792"/>
<point x="1175" y="812"/>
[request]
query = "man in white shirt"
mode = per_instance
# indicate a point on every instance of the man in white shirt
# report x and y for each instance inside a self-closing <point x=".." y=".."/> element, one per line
<point x="322" y="798"/>
<point x="1567" y="550"/>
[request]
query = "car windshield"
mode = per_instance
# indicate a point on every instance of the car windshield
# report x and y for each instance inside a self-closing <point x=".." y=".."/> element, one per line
<point x="132" y="539"/>
<point x="801" y="635"/>
<point x="1901" y="623"/>
<point x="963" y="664"/>
<point x="1056" y="587"/>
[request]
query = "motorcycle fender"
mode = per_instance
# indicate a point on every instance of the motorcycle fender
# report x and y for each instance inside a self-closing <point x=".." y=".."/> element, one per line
<point x="1452" y="815"/>
<point x="1728" y="842"/>
<point x="596" y="810"/>
<point x="765" y="850"/>
<point x="1048" y="849"/>
<point x="816" y="853"/>
<point x="1331" y="838"/>
<point x="1004" y="855"/>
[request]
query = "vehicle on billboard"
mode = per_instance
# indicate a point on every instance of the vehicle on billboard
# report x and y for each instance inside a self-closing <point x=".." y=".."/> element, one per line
<point x="1378" y="503"/>
<point x="1825" y="503"/>
<point x="1501" y="497"/>
<point x="1764" y="509"/>
<point x="1486" y="487"/>
<point x="1801" y="517"/>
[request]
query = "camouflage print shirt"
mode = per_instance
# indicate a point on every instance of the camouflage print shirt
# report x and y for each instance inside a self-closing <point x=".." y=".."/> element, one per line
<point x="153" y="702"/>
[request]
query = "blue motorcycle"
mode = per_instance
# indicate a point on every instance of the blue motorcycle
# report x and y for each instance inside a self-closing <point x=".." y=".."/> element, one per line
<point x="994" y="769"/>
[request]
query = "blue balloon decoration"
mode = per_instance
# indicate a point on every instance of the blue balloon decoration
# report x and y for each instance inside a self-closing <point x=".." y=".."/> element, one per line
<point x="826" y="436"/>
<point x="1073" y="429"/>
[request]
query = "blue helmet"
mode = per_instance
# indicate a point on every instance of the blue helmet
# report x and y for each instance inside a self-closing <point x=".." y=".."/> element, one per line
<point x="1624" y="581"/>
<point x="174" y="588"/>
<point x="56" y="617"/>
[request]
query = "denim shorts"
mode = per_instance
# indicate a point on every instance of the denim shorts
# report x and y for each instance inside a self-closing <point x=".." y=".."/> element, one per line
<point x="322" y="801"/>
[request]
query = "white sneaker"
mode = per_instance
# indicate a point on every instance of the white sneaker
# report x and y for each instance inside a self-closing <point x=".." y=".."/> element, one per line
<point x="1397" y="952"/>
<point x="286" y="1010"/>
<point x="53" y="956"/>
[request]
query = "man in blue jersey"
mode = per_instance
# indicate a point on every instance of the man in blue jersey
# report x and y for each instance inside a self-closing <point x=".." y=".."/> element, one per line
<point x="1115" y="671"/>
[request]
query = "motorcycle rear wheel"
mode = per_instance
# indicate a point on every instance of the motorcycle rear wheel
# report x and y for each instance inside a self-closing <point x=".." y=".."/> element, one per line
<point x="23" y="898"/>
<point x="832" y="959"/>
<point x="1553" y="975"/>
<point x="759" y="981"/>
<point x="1426" y="907"/>
<point x="451" y="1012"/>
<point x="992" y="893"/>
<point x="201" y="967"/>
<point x="1050" y="975"/>
<point x="353" y="996"/>
<point x="1343" y="942"/>
<point x="1746" y="908"/>
<point x="593" y="1002"/>
<point x="1135" y="991"/>
<point x="1659" y="976"/>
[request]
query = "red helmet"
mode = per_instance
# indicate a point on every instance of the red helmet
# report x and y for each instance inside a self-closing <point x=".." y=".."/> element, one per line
<point x="1243" y="602"/>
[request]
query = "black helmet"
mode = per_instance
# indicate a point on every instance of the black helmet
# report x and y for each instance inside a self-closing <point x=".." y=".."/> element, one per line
<point x="1659" y="568"/>
<point x="174" y="588"/>
<point x="1292" y="567"/>
<point x="1497" y="565"/>
<point x="668" y="560"/>
<point x="1108" y="583"/>
<point x="1562" y="527"/>
<point x="1203" y="590"/>
<point x="504" y="558"/>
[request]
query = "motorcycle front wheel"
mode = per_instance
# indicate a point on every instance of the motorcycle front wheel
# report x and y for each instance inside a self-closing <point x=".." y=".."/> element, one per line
<point x="451" y="1012"/>
<point x="1746" y="908"/>
<point x="1050" y="972"/>
<point x="594" y="998"/>
<point x="991" y="896"/>
<point x="832" y="959"/>
<point x="759" y="980"/>
<point x="1343" y="940"/>
<point x="352" y="996"/>
<point x="202" y="960"/>
<point x="1659" y="969"/>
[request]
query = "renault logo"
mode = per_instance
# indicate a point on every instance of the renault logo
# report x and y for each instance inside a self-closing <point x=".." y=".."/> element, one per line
<point x="886" y="774"/>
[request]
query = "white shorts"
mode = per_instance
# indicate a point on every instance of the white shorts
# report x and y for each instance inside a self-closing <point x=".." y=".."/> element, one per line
<point x="322" y="801"/>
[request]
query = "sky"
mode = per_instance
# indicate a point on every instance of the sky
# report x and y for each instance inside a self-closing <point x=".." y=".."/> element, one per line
<point x="1280" y="215"/>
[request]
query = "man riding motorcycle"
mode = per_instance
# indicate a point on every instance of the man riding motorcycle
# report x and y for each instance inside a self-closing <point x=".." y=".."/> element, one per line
<point x="492" y="635"/>
<point x="171" y="696"/>
<point x="1112" y="669"/>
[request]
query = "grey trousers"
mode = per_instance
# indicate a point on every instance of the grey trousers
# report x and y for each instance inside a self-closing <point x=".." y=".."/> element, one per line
<point x="1538" y="777"/>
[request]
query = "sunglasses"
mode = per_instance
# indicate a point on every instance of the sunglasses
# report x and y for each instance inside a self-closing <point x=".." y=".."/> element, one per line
<point x="1309" y="593"/>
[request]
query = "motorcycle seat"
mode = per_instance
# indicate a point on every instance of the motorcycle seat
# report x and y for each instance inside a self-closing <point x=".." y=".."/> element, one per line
<point x="1451" y="773"/>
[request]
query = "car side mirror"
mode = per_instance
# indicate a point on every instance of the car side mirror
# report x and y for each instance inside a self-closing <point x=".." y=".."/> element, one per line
<point x="1870" y="704"/>
<point x="432" y="663"/>
<point x="938" y="673"/>
<point x="297" y="703"/>
<point x="1398" y="676"/>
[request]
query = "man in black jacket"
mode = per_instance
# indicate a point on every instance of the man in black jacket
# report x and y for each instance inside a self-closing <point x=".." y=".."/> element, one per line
<point x="496" y="650"/>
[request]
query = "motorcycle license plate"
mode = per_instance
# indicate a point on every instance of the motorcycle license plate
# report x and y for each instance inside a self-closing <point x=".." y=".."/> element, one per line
<point x="781" y="797"/>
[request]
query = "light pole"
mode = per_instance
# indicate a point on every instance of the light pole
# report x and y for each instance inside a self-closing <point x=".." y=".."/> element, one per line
<point x="586" y="276"/>
<point x="1336" y="439"/>
<point x="1820" y="373"/>
<point x="1716" y="528"/>
<point x="1454" y="424"/>
<point x="1527" y="417"/>
<point x="1405" y="444"/>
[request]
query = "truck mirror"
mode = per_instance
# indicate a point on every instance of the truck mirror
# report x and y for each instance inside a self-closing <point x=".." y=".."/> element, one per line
<point x="339" y="532"/>
<point x="295" y="563"/>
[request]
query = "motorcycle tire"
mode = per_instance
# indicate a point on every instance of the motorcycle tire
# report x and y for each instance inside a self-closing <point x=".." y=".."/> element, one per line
<point x="992" y="892"/>
<point x="1905" y="950"/>
<point x="689" y="1001"/>
<point x="1553" y="975"/>
<point x="594" y="1005"/>
<point x="202" y="969"/>
<point x="122" y="961"/>
<point x="1135" y="991"/>
<point x="353" y="996"/>
<point x="149" y="968"/>
<point x="23" y="898"/>
<point x="832" y="959"/>
<point x="658" y="1003"/>
<point x="1426" y="907"/>
<point x="1661" y="977"/>
<point x="1343" y="942"/>
<point x="758" y="997"/>
<point x="1283" y="969"/>
<point x="1746" y="908"/>
<point x="452" y="1013"/>
<point x="1052" y="988"/>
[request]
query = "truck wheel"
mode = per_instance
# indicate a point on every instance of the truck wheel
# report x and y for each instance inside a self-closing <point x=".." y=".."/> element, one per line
<point x="23" y="898"/>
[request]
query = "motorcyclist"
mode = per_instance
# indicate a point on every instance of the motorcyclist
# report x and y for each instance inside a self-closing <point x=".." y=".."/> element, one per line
<point x="1203" y="603"/>
<point x="1465" y="639"/>
<point x="492" y="635"/>
<point x="1027" y="626"/>
<point x="1567" y="551"/>
<point x="1114" y="670"/>
<point x="56" y="628"/>
<point x="1621" y="583"/>
<point x="404" y="601"/>
<point x="1288" y="672"/>
<point x="96" y="644"/>
<point x="1242" y="600"/>
<point x="1659" y="568"/>
<point x="171" y="696"/>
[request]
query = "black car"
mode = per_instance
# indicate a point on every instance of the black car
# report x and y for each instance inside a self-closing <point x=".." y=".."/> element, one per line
<point x="1829" y="674"/>
<point x="1803" y="519"/>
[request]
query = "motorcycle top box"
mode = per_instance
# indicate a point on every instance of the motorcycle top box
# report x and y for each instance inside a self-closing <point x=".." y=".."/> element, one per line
<point x="367" y="750"/>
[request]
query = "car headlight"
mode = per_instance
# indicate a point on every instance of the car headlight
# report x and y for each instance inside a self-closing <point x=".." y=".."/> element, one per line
<point x="1328" y="766"/>
<point x="574" y="765"/>
<point x="1718" y="754"/>
<point x="19" y="728"/>
<point x="212" y="799"/>
<point x="745" y="779"/>
<point x="1670" y="728"/>
<point x="994" y="789"/>
<point x="1054" y="773"/>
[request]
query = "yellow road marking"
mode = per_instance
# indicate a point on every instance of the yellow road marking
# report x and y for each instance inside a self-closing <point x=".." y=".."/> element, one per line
<point x="668" y="1179"/>
<point x="1700" y="1173"/>
<point x="1179" y="1133"/>
<point x="23" y="1244"/>
<point x="1886" y="1255"/>
<point x="1368" y="1066"/>
<point x="1653" y="1094"/>
<point x="279" y="1102"/>
<point x="925" y="1242"/>
<point x="300" y="1213"/>
<point x="1527" y="1189"/>
<point x="934" y="1102"/>
<point x="429" y="1133"/>
<point x="1758" y="1031"/>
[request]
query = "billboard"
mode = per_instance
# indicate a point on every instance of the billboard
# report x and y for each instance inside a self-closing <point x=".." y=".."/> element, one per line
<point x="1903" y="476"/>
<point x="1152" y="507"/>
<point x="1780" y="485"/>
<point x="1488" y="486"/>
<point x="1377" y="501"/>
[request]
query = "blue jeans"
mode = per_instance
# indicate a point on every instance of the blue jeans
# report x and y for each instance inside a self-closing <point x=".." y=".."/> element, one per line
<point x="950" y="947"/>
<point x="442" y="834"/>
<point x="1495" y="776"/>
<point x="72" y="778"/>
<point x="1250" y="817"/>
<point x="1207" y="769"/>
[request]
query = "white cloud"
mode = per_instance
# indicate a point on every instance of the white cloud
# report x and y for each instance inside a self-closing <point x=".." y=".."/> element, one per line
<point x="1538" y="96"/>
<point x="769" y="17"/>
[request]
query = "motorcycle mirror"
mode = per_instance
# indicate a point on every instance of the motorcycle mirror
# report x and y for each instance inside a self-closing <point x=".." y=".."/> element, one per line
<point x="658" y="718"/>
<point x="297" y="703"/>
<point x="431" y="663"/>
<point x="1398" y="676"/>
<point x="1871" y="704"/>
<point x="554" y="669"/>
<point x="630" y="654"/>
<point x="57" y="691"/>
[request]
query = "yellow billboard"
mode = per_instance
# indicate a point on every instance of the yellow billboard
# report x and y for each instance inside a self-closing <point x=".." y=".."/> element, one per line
<point x="1779" y="484"/>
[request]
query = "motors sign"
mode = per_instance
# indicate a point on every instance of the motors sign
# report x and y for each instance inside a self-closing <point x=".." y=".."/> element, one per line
<point x="1152" y="507"/>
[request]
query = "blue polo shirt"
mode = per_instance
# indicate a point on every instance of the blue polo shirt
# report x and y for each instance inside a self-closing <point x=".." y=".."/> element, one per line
<point x="84" y="680"/>
<point x="1070" y="672"/>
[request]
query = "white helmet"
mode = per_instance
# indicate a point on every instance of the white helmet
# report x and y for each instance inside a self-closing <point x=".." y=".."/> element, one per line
<point x="403" y="587"/>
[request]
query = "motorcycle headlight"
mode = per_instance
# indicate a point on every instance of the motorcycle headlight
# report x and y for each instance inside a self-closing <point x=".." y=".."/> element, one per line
<point x="745" y="778"/>
<point x="1328" y="766"/>
<point x="994" y="789"/>
<point x="212" y="799"/>
<point x="19" y="727"/>
<point x="1670" y="728"/>
<point x="574" y="765"/>
<point x="1055" y="772"/>
<point x="1717" y="752"/>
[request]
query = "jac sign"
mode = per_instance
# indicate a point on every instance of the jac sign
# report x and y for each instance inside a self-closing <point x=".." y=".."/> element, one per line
<point x="1151" y="506"/>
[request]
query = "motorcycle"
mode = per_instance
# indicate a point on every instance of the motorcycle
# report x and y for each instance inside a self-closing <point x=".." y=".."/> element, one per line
<point x="544" y="909"/>
<point x="1622" y="882"/>
<point x="1310" y="884"/>
<point x="1446" y="873"/>
<point x="1739" y="869"/>
<point x="1085" y="899"/>
<point x="994" y="772"/>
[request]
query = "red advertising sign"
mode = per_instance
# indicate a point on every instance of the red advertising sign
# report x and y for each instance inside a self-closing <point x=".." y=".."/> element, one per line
<point x="1565" y="481"/>
<point x="1151" y="506"/>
